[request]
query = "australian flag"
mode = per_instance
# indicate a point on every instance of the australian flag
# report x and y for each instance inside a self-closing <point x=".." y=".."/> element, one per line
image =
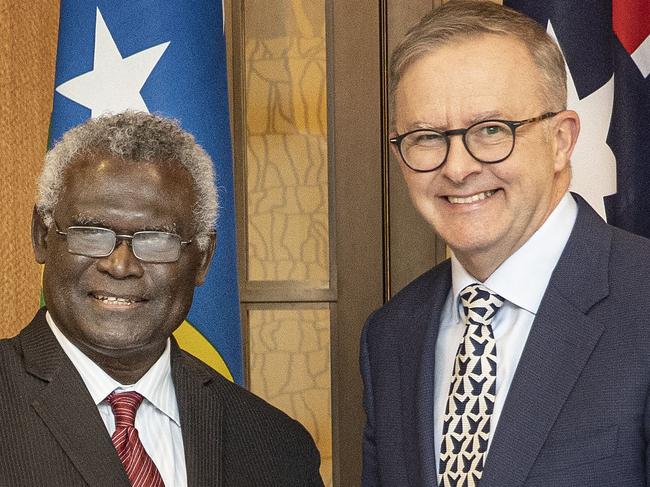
<point x="167" y="57"/>
<point x="606" y="44"/>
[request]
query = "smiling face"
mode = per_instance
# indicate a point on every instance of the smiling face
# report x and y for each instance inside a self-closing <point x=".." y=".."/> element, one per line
<point x="484" y="212"/>
<point x="118" y="307"/>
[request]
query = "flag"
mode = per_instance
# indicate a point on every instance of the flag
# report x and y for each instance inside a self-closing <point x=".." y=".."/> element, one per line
<point x="606" y="45"/>
<point x="167" y="57"/>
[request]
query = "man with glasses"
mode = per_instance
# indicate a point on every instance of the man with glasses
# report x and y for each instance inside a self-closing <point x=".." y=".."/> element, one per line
<point x="95" y="392"/>
<point x="524" y="359"/>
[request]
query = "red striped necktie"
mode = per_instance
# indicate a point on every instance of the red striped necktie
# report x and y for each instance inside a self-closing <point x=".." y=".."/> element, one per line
<point x="139" y="466"/>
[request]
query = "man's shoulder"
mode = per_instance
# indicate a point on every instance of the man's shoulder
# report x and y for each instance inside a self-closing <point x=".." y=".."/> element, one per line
<point x="622" y="240"/>
<point x="11" y="348"/>
<point x="10" y="356"/>
<point x="590" y="229"/>
<point x="627" y="250"/>
<point x="248" y="408"/>
<point x="597" y="250"/>
<point x="629" y="257"/>
<point x="608" y="265"/>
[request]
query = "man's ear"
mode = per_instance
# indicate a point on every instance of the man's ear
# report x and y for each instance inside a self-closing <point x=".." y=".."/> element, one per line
<point x="206" y="258"/>
<point x="39" y="236"/>
<point x="393" y="147"/>
<point x="565" y="135"/>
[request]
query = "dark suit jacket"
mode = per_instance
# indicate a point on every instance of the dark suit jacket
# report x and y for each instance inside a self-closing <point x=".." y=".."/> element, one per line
<point x="577" y="412"/>
<point x="51" y="433"/>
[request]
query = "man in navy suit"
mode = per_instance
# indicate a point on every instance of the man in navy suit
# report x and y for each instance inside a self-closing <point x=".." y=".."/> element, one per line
<point x="524" y="360"/>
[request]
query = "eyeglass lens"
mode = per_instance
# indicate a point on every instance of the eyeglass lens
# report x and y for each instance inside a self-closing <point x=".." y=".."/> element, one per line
<point x="488" y="141"/>
<point x="148" y="246"/>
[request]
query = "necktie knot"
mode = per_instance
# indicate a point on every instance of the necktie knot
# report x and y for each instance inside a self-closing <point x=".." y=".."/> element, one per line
<point x="479" y="304"/>
<point x="125" y="406"/>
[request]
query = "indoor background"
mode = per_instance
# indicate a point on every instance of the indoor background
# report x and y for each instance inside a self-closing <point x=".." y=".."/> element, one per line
<point x="325" y="229"/>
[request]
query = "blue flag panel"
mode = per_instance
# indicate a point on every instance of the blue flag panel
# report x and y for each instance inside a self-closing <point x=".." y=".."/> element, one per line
<point x="603" y="42"/>
<point x="166" y="57"/>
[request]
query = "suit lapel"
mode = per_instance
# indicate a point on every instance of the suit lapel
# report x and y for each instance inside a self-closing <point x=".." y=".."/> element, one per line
<point x="558" y="347"/>
<point x="417" y="361"/>
<point x="201" y="415"/>
<point x="67" y="409"/>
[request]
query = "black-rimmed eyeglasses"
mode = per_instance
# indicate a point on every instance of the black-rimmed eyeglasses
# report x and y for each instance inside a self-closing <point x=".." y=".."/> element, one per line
<point x="148" y="246"/>
<point x="488" y="141"/>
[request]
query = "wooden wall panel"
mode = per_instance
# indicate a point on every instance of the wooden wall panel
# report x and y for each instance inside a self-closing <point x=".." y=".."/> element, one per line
<point x="355" y="133"/>
<point x="414" y="246"/>
<point x="28" y="36"/>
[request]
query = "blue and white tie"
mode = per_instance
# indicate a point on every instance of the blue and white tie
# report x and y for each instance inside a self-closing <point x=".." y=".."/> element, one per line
<point x="466" y="426"/>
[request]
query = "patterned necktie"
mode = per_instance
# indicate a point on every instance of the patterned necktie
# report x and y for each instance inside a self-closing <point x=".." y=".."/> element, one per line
<point x="466" y="425"/>
<point x="139" y="466"/>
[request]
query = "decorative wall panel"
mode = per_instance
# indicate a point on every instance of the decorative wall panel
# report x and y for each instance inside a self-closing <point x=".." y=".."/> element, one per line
<point x="286" y="142"/>
<point x="290" y="367"/>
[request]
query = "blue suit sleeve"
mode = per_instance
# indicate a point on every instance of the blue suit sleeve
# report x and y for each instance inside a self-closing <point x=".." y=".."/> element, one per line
<point x="370" y="474"/>
<point x="646" y="421"/>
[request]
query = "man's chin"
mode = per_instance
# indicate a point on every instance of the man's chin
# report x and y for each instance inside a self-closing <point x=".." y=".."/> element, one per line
<point x="472" y="244"/>
<point x="124" y="345"/>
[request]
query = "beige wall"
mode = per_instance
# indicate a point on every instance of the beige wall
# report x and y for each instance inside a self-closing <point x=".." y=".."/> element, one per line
<point x="27" y="55"/>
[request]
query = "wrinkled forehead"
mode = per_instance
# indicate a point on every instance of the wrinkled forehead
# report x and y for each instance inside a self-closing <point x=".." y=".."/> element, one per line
<point x="456" y="43"/>
<point x="100" y="186"/>
<point x="94" y="167"/>
<point x="487" y="73"/>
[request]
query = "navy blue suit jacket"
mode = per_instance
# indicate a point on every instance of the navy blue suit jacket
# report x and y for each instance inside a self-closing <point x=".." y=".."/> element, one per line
<point x="577" y="411"/>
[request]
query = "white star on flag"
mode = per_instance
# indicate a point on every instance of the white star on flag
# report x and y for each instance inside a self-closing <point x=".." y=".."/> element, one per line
<point x="641" y="56"/>
<point x="114" y="83"/>
<point x="593" y="163"/>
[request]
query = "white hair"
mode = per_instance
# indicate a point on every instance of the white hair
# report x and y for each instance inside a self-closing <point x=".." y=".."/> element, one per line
<point x="137" y="137"/>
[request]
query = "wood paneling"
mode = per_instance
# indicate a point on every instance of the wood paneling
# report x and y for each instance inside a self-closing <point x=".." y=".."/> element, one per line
<point x="414" y="247"/>
<point x="355" y="151"/>
<point x="279" y="90"/>
<point x="28" y="36"/>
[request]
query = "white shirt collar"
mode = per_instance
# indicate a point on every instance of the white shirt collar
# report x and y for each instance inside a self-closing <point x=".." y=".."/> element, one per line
<point x="156" y="385"/>
<point x="523" y="277"/>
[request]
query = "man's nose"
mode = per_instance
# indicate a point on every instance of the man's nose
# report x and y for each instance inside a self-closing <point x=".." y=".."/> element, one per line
<point x="459" y="164"/>
<point x="121" y="263"/>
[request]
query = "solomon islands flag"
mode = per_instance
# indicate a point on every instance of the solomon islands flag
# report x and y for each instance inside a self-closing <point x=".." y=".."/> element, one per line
<point x="168" y="57"/>
<point x="606" y="44"/>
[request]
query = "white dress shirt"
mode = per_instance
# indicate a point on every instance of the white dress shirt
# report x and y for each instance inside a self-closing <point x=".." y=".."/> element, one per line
<point x="157" y="419"/>
<point x="522" y="280"/>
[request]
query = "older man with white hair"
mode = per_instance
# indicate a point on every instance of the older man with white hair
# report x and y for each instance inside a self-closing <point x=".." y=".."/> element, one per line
<point x="95" y="391"/>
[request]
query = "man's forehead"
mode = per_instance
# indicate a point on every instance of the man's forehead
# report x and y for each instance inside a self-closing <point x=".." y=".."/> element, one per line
<point x="129" y="176"/>
<point x="106" y="163"/>
<point x="482" y="77"/>
<point x="101" y="191"/>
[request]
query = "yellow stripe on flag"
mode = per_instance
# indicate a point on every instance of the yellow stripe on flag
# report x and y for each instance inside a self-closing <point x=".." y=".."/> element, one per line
<point x="191" y="340"/>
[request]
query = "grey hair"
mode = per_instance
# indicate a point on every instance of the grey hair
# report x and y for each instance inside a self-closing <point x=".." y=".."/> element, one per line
<point x="133" y="136"/>
<point x="466" y="19"/>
